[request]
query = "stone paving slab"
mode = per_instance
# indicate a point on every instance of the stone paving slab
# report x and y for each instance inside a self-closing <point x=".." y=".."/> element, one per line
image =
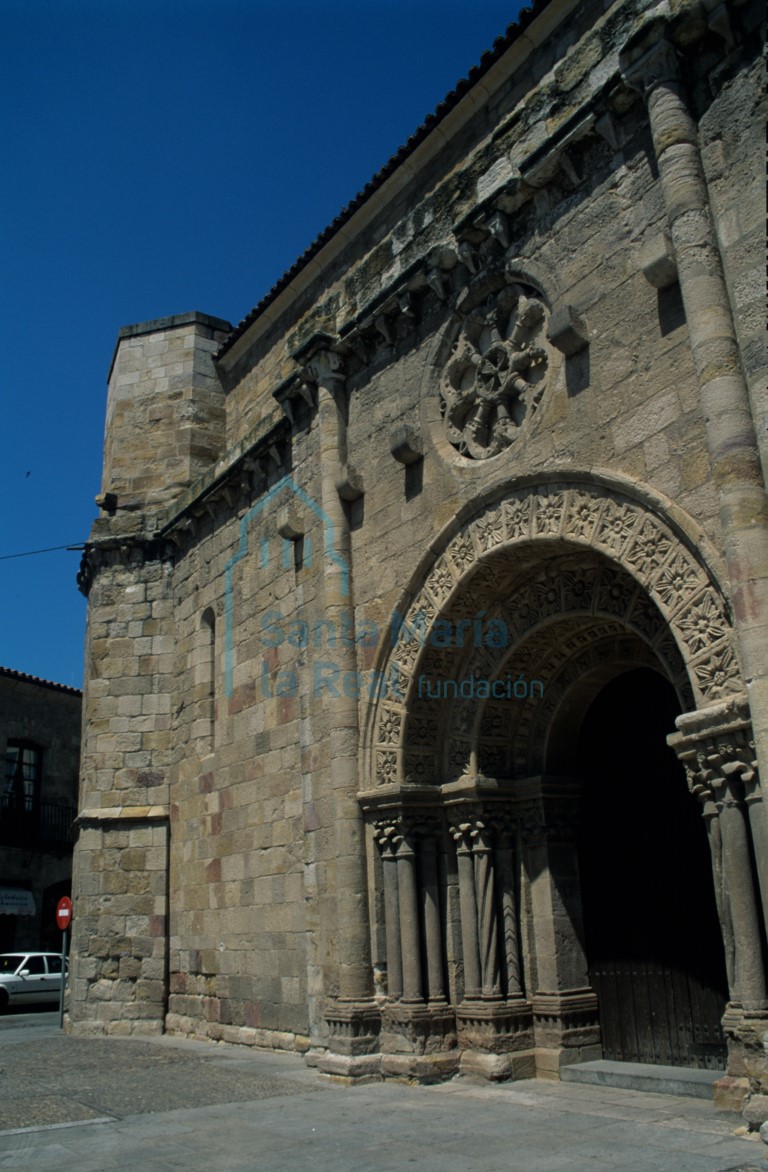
<point x="64" y="1079"/>
<point x="261" y="1110"/>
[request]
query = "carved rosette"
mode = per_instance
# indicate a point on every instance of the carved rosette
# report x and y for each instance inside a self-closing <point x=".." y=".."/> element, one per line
<point x="496" y="372"/>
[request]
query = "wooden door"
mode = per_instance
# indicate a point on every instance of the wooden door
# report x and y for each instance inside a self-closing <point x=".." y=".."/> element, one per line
<point x="653" y="1013"/>
<point x="653" y="941"/>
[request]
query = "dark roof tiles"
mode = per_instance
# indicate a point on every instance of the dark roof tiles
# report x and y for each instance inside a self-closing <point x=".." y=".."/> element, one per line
<point x="9" y="674"/>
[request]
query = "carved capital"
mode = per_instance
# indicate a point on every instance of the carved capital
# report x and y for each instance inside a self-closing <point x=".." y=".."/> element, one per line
<point x="471" y="832"/>
<point x="387" y="836"/>
<point x="326" y="369"/>
<point x="649" y="59"/>
<point x="717" y="750"/>
<point x="398" y="834"/>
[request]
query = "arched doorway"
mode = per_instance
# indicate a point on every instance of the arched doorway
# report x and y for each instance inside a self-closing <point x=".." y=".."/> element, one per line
<point x="513" y="647"/>
<point x="653" y="941"/>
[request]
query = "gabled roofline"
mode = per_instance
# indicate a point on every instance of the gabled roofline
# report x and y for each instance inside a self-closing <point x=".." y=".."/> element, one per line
<point x="21" y="676"/>
<point x="532" y="28"/>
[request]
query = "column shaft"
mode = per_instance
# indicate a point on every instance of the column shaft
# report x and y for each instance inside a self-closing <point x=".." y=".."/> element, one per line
<point x="432" y="931"/>
<point x="392" y="927"/>
<point x="409" y="923"/>
<point x="758" y="824"/>
<point x="488" y="926"/>
<point x="649" y="63"/>
<point x="468" y="906"/>
<point x="511" y="946"/>
<point x="351" y="886"/>
<point x="749" y="978"/>
<point x="714" y="835"/>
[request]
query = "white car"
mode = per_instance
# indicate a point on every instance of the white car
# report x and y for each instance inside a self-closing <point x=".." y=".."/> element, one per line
<point x="29" y="976"/>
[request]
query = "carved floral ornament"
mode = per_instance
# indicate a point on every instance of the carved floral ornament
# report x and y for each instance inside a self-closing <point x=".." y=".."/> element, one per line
<point x="497" y="368"/>
<point x="670" y="573"/>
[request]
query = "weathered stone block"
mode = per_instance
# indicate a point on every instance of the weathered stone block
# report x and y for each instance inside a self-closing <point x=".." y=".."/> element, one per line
<point x="567" y="330"/>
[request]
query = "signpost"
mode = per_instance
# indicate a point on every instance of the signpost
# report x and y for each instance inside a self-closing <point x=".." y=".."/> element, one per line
<point x="63" y="920"/>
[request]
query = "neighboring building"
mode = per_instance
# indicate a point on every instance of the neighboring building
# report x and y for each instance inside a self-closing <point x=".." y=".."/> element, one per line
<point x="40" y="733"/>
<point x="402" y="586"/>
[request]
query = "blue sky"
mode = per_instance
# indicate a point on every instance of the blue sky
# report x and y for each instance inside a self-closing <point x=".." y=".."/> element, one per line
<point x="160" y="156"/>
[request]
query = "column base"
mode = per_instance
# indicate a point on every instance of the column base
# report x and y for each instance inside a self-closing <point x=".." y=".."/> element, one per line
<point x="730" y="1094"/>
<point x="353" y="1042"/>
<point x="314" y="1054"/>
<point x="349" y="1070"/>
<point x="566" y="1029"/>
<point x="496" y="1039"/>
<point x="418" y="1042"/>
<point x="745" y="1086"/>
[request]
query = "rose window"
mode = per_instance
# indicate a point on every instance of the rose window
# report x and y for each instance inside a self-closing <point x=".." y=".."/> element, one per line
<point x="496" y="373"/>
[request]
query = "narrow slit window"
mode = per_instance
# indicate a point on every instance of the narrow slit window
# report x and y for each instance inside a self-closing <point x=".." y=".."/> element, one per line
<point x="208" y="674"/>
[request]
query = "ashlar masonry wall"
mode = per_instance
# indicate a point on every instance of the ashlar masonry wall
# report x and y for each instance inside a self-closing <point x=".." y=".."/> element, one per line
<point x="243" y="582"/>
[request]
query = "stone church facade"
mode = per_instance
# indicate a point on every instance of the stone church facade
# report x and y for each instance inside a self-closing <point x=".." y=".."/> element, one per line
<point x="427" y="664"/>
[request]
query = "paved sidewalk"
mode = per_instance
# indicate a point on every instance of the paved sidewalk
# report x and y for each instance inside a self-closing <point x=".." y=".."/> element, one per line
<point x="102" y="1104"/>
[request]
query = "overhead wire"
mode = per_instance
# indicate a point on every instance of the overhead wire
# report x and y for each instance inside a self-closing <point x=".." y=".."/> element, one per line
<point x="4" y="557"/>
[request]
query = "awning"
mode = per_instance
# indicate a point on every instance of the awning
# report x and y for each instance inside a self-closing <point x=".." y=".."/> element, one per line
<point x="15" y="901"/>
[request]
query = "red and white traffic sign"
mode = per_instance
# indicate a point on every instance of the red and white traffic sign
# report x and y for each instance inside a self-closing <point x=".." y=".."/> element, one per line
<point x="63" y="913"/>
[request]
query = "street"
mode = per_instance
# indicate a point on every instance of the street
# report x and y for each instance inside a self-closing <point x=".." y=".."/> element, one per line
<point x="98" y="1104"/>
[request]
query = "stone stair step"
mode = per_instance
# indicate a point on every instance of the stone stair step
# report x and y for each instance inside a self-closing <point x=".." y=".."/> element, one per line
<point x="642" y="1076"/>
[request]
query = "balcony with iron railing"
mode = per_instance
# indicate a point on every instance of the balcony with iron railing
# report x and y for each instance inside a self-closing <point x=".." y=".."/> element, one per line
<point x="36" y="825"/>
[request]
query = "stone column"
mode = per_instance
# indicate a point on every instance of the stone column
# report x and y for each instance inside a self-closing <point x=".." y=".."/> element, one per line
<point x="431" y="908"/>
<point x="565" y="1012"/>
<point x="715" y="838"/>
<point x="716" y="750"/>
<point x="495" y="1033"/>
<point x="353" y="1012"/>
<point x="649" y="64"/>
<point x="749" y="978"/>
<point x="710" y="744"/>
<point x="418" y="1029"/>
<point x="506" y="885"/>
<point x="409" y="919"/>
<point x="470" y="947"/>
<point x="488" y="924"/>
<point x="758" y="824"/>
<point x="387" y="842"/>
